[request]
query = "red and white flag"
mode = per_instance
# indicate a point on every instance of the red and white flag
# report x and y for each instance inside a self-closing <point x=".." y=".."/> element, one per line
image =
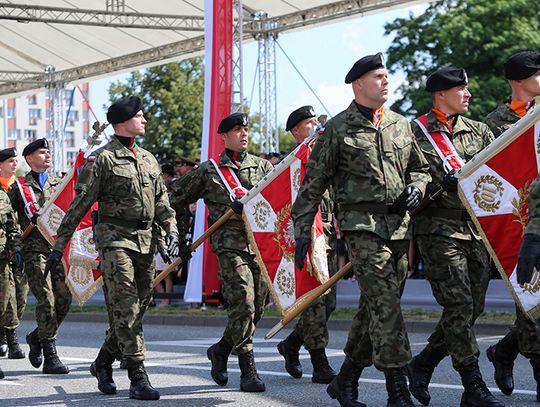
<point x="494" y="187"/>
<point x="271" y="233"/>
<point x="81" y="258"/>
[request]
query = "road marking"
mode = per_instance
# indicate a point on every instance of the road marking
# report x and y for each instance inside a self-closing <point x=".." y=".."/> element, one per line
<point x="7" y="382"/>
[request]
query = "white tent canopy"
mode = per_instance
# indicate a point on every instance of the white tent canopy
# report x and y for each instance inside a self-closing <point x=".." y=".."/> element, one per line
<point x="87" y="39"/>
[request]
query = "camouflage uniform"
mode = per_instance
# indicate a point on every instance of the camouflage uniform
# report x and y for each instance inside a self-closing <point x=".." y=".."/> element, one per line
<point x="242" y="284"/>
<point x="53" y="296"/>
<point x="131" y="195"/>
<point x="10" y="236"/>
<point x="368" y="168"/>
<point x="455" y="258"/>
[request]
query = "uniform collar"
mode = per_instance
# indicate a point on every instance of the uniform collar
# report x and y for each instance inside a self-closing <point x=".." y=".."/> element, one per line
<point x="225" y="161"/>
<point x="435" y="125"/>
<point x="356" y="119"/>
<point x="120" y="150"/>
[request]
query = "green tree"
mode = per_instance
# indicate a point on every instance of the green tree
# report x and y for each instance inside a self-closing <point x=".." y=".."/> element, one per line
<point x="172" y="97"/>
<point x="478" y="35"/>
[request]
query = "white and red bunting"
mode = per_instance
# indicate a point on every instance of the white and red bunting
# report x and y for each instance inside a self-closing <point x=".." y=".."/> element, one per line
<point x="494" y="188"/>
<point x="271" y="232"/>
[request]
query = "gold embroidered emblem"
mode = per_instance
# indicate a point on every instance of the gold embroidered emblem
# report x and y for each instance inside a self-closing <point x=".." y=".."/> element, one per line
<point x="534" y="285"/>
<point x="285" y="282"/>
<point x="80" y="275"/>
<point x="488" y="193"/>
<point x="296" y="180"/>
<point x="284" y="232"/>
<point x="261" y="213"/>
<point x="55" y="218"/>
<point x="87" y="242"/>
<point x="520" y="207"/>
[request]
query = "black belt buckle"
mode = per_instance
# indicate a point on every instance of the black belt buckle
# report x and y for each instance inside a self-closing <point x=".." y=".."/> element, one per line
<point x="144" y="224"/>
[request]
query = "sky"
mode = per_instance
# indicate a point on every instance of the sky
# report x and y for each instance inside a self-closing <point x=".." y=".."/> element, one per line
<point x="323" y="55"/>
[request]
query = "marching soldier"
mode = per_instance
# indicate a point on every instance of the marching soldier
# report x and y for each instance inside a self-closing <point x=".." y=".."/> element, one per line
<point x="17" y="302"/>
<point x="369" y="156"/>
<point x="522" y="70"/>
<point x="455" y="258"/>
<point x="53" y="297"/>
<point x="311" y="330"/>
<point x="10" y="244"/>
<point x="126" y="182"/>
<point x="242" y="284"/>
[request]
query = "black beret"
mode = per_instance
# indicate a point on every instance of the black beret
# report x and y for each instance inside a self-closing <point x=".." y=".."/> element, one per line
<point x="304" y="112"/>
<point x="186" y="161"/>
<point x="7" y="153"/>
<point x="522" y="65"/>
<point x="124" y="109"/>
<point x="363" y="65"/>
<point x="234" y="119"/>
<point x="167" y="169"/>
<point x="35" y="145"/>
<point x="446" y="78"/>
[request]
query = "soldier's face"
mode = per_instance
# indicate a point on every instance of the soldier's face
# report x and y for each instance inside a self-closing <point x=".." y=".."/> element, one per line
<point x="456" y="99"/>
<point x="371" y="89"/>
<point x="531" y="85"/>
<point x="236" y="139"/>
<point x="39" y="160"/>
<point x="8" y="167"/>
<point x="302" y="130"/>
<point x="133" y="127"/>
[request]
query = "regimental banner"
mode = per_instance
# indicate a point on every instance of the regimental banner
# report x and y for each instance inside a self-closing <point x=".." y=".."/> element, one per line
<point x="80" y="256"/>
<point x="494" y="187"/>
<point x="271" y="233"/>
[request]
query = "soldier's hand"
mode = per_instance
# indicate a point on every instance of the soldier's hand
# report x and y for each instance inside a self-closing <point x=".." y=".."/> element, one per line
<point x="33" y="219"/>
<point x="185" y="253"/>
<point x="164" y="255"/>
<point x="173" y="244"/>
<point x="449" y="182"/>
<point x="413" y="197"/>
<point x="52" y="262"/>
<point x="18" y="261"/>
<point x="528" y="258"/>
<point x="237" y="207"/>
<point x="300" y="251"/>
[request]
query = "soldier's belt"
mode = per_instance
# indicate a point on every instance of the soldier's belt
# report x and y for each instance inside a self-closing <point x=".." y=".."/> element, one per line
<point x="378" y="208"/>
<point x="446" y="213"/>
<point x="327" y="217"/>
<point x="134" y="224"/>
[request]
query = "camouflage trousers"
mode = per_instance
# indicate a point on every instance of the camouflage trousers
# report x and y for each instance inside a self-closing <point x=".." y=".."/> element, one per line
<point x="8" y="310"/>
<point x="527" y="334"/>
<point x="128" y="278"/>
<point x="311" y="326"/>
<point x="52" y="295"/>
<point x="21" y="292"/>
<point x="246" y="292"/>
<point x="377" y="334"/>
<point x="458" y="271"/>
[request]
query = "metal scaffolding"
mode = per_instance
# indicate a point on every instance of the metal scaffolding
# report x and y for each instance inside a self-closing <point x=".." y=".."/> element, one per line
<point x="237" y="102"/>
<point x="55" y="136"/>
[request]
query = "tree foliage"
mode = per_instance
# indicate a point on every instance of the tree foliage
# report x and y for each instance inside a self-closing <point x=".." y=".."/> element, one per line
<point x="172" y="97"/>
<point x="478" y="35"/>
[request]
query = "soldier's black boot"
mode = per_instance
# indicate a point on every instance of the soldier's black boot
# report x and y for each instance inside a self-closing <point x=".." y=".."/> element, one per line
<point x="1" y="374"/>
<point x="420" y="371"/>
<point x="140" y="388"/>
<point x="289" y="348"/>
<point x="52" y="364"/>
<point x="322" y="371"/>
<point x="535" y="363"/>
<point x="3" y="343"/>
<point x="15" y="351"/>
<point x="502" y="355"/>
<point x="249" y="379"/>
<point x="344" y="387"/>
<point x="476" y="393"/>
<point x="101" y="369"/>
<point x="218" y="354"/>
<point x="34" y="355"/>
<point x="396" y="386"/>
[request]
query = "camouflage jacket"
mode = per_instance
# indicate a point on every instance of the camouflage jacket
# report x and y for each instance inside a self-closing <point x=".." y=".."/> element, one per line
<point x="205" y="182"/>
<point x="35" y="242"/>
<point x="501" y="119"/>
<point x="10" y="233"/>
<point x="468" y="137"/>
<point x="131" y="196"/>
<point x="367" y="167"/>
<point x="533" y="227"/>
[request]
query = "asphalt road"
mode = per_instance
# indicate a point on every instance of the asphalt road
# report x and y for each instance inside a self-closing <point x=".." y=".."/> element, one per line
<point x="178" y="367"/>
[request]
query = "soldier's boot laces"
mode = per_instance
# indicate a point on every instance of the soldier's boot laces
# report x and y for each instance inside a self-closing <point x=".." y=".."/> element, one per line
<point x="218" y="354"/>
<point x="535" y="363"/>
<point x="476" y="393"/>
<point x="344" y="387"/>
<point x="249" y="379"/>
<point x="15" y="351"/>
<point x="52" y="364"/>
<point x="396" y="387"/>
<point x="3" y="343"/>
<point x="102" y="370"/>
<point x="34" y="355"/>
<point x="140" y="388"/>
<point x="502" y="355"/>
<point x="322" y="371"/>
<point x="420" y="370"/>
<point x="289" y="348"/>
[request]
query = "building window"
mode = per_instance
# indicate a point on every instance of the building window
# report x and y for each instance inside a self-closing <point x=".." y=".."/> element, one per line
<point x="73" y="117"/>
<point x="11" y="112"/>
<point x="1" y="112"/>
<point x="30" y="135"/>
<point x="85" y="115"/>
<point x="71" y="157"/>
<point x="33" y="116"/>
<point x="13" y="134"/>
<point x="32" y="99"/>
<point x="69" y="137"/>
